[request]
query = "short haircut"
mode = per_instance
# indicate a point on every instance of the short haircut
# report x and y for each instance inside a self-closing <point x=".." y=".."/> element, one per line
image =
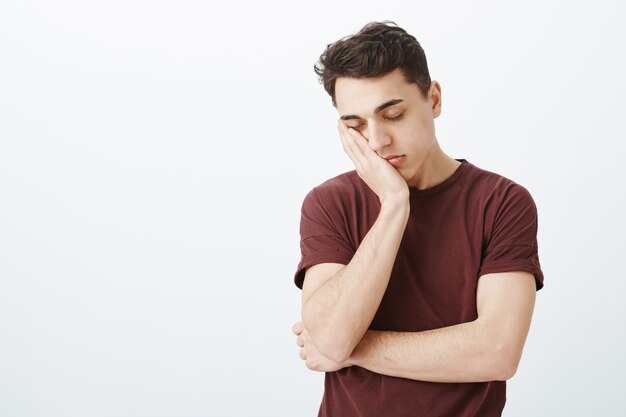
<point x="377" y="49"/>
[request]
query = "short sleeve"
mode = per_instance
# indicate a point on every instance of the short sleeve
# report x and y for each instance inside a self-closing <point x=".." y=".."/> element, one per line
<point x="320" y="237"/>
<point x="512" y="244"/>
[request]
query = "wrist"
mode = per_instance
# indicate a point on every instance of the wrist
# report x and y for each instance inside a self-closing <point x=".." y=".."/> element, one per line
<point x="397" y="198"/>
<point x="396" y="206"/>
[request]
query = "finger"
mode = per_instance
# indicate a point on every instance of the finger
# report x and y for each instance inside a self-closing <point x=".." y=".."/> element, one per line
<point x="358" y="139"/>
<point x="297" y="328"/>
<point x="347" y="145"/>
<point x="362" y="151"/>
<point x="299" y="341"/>
<point x="350" y="146"/>
<point x="304" y="335"/>
<point x="302" y="354"/>
<point x="361" y="143"/>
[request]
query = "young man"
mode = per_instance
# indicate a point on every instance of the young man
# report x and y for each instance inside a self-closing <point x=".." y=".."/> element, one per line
<point x="418" y="271"/>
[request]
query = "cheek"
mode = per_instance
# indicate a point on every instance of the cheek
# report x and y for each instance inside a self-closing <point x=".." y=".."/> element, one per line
<point x="422" y="132"/>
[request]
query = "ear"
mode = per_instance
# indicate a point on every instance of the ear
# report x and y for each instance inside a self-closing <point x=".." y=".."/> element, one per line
<point x="434" y="98"/>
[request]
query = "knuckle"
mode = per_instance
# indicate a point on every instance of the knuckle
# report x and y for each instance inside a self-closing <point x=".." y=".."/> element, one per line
<point x="311" y="365"/>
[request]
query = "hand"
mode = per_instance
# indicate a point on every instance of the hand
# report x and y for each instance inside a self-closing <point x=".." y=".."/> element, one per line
<point x="312" y="357"/>
<point x="378" y="173"/>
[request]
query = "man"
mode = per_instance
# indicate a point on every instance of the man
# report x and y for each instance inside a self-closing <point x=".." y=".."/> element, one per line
<point x="418" y="271"/>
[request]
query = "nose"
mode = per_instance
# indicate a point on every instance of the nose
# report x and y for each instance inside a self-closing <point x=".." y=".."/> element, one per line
<point x="377" y="137"/>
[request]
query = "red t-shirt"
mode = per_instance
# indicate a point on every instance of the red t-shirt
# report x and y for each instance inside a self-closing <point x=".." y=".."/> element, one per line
<point x="473" y="223"/>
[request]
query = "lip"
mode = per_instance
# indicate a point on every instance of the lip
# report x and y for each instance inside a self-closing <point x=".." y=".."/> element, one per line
<point x="395" y="160"/>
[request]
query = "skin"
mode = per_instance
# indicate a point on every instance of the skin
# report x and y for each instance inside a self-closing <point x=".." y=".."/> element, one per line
<point x="413" y="135"/>
<point x="339" y="301"/>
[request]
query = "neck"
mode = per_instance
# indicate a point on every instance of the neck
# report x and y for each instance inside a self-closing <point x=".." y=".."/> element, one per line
<point x="437" y="167"/>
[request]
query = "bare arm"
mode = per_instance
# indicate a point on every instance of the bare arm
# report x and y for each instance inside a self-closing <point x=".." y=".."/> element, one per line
<point x="338" y="304"/>
<point x="488" y="348"/>
<point x="338" y="311"/>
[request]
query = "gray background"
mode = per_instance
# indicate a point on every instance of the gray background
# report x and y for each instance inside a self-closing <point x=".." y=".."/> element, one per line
<point x="154" y="156"/>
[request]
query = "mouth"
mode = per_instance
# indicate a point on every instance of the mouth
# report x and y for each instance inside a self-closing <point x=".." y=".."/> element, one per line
<point x="395" y="160"/>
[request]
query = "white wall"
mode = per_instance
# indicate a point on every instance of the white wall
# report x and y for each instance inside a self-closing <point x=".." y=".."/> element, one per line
<point x="154" y="156"/>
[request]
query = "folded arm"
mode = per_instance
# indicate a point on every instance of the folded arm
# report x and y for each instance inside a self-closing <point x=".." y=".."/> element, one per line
<point x="486" y="349"/>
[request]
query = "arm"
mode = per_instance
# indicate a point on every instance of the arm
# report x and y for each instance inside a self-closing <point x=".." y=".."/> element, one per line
<point x="339" y="303"/>
<point x="488" y="348"/>
<point x="337" y="310"/>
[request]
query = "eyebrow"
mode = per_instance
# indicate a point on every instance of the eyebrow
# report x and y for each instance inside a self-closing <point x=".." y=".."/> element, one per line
<point x="376" y="110"/>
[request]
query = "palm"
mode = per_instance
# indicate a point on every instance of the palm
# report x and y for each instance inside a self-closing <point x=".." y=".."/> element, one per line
<point x="377" y="173"/>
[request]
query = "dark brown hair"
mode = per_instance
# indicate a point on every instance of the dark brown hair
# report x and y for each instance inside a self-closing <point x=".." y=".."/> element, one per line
<point x="378" y="48"/>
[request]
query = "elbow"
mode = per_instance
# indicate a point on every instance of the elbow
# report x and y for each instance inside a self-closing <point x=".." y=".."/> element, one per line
<point x="505" y="362"/>
<point x="334" y="352"/>
<point x="504" y="371"/>
<point x="331" y="346"/>
<point x="500" y="352"/>
<point x="337" y="353"/>
<point x="328" y="341"/>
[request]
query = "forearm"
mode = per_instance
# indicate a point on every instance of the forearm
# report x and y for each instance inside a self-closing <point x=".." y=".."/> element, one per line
<point x="339" y="312"/>
<point x="459" y="353"/>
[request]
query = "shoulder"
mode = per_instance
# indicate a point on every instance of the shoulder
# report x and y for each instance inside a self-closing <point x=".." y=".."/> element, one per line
<point x="507" y="209"/>
<point x="341" y="183"/>
<point x="493" y="188"/>
<point x="337" y="191"/>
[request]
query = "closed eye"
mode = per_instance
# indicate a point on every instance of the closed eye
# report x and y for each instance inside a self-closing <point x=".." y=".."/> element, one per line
<point x="398" y="117"/>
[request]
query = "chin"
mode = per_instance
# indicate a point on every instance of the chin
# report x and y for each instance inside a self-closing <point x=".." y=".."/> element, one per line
<point x="403" y="175"/>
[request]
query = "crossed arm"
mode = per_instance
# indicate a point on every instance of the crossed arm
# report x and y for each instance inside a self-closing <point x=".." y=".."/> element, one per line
<point x="488" y="348"/>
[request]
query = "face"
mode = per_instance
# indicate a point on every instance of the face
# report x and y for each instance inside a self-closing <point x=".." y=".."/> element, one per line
<point x="394" y="118"/>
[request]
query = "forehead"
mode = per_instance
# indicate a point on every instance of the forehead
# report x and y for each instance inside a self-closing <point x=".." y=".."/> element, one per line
<point x="362" y="95"/>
